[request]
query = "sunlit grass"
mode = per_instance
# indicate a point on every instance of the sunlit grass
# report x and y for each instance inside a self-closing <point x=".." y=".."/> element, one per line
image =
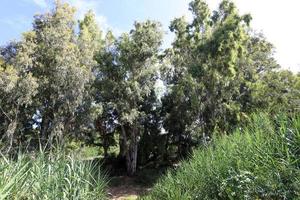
<point x="50" y="177"/>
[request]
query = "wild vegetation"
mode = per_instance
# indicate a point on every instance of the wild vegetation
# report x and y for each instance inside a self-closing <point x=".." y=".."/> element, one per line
<point x="69" y="85"/>
<point x="258" y="161"/>
<point x="56" y="176"/>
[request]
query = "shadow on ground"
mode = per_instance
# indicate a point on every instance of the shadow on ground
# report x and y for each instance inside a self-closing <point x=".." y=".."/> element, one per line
<point x="123" y="187"/>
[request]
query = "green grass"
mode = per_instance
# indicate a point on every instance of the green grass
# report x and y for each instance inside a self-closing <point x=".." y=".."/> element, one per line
<point x="50" y="177"/>
<point x="260" y="161"/>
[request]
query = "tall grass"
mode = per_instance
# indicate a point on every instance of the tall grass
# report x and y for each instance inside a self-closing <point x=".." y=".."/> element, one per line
<point x="50" y="177"/>
<point x="260" y="161"/>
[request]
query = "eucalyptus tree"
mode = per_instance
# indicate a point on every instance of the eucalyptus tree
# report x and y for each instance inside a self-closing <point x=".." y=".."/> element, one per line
<point x="204" y="78"/>
<point x="126" y="76"/>
<point x="90" y="43"/>
<point x="278" y="91"/>
<point x="63" y="65"/>
<point x="153" y="140"/>
<point x="17" y="89"/>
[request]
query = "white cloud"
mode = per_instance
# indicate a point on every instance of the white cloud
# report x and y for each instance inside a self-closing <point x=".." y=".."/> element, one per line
<point x="104" y="25"/>
<point x="83" y="6"/>
<point x="102" y="21"/>
<point x="41" y="3"/>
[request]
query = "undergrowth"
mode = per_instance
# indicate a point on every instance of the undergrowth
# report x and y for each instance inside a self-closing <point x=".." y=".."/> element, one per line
<point x="259" y="161"/>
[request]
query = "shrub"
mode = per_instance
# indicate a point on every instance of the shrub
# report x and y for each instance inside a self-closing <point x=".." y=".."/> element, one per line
<point x="260" y="161"/>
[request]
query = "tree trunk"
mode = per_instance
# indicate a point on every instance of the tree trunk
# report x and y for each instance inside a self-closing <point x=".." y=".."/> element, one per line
<point x="44" y="136"/>
<point x="46" y="133"/>
<point x="131" y="151"/>
<point x="131" y="157"/>
<point x="122" y="145"/>
<point x="105" y="146"/>
<point x="10" y="134"/>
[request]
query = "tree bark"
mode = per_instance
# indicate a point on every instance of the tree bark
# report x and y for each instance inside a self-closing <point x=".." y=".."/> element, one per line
<point x="44" y="129"/>
<point x="131" y="157"/>
<point x="131" y="151"/>
<point x="10" y="134"/>
<point x="122" y="143"/>
<point x="47" y="129"/>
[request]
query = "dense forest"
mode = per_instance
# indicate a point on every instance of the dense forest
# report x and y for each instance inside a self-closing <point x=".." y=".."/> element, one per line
<point x="67" y="85"/>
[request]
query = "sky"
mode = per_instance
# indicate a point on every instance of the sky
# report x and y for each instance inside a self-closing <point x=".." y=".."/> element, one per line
<point x="278" y="20"/>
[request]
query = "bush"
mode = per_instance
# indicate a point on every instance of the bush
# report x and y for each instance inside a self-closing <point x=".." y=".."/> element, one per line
<point x="260" y="161"/>
<point x="50" y="177"/>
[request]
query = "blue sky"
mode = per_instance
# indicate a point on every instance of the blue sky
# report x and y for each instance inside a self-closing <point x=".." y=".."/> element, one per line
<point x="119" y="15"/>
<point x="278" y="20"/>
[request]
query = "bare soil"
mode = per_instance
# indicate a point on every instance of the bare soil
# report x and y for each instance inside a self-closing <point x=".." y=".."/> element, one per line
<point x="126" y="188"/>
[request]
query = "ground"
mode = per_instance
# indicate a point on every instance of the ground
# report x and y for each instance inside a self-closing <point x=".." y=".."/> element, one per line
<point x="126" y="188"/>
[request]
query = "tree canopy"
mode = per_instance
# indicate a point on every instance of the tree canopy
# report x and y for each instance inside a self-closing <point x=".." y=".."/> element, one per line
<point x="67" y="80"/>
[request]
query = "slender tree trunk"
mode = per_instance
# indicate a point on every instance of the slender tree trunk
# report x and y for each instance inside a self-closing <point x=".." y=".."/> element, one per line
<point x="10" y="134"/>
<point x="105" y="152"/>
<point x="131" y="157"/>
<point x="179" y="150"/>
<point x="131" y="151"/>
<point x="11" y="129"/>
<point x="122" y="143"/>
<point x="105" y="144"/>
<point x="44" y="129"/>
<point x="166" y="148"/>
<point x="46" y="133"/>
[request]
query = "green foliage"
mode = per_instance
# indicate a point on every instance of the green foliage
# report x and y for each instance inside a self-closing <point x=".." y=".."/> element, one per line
<point x="278" y="91"/>
<point x="18" y="86"/>
<point x="259" y="161"/>
<point x="62" y="75"/>
<point x="128" y="70"/>
<point x="50" y="177"/>
<point x="219" y="74"/>
<point x="205" y="78"/>
<point x="63" y="81"/>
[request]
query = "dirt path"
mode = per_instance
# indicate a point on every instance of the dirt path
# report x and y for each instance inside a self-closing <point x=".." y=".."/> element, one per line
<point x="125" y="188"/>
